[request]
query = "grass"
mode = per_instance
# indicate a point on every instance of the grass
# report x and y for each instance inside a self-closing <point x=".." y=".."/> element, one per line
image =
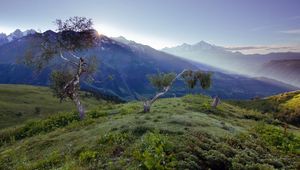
<point x="178" y="133"/>
<point x="284" y="106"/>
<point x="19" y="103"/>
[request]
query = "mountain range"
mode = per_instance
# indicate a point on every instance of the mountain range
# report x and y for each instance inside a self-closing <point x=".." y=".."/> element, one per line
<point x="248" y="64"/>
<point x="129" y="63"/>
<point x="17" y="34"/>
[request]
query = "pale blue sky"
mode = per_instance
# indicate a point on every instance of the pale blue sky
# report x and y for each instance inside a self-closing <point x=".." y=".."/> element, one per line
<point x="162" y="23"/>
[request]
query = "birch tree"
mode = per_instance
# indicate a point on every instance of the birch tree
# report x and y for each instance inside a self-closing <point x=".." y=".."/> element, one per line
<point x="64" y="47"/>
<point x="163" y="82"/>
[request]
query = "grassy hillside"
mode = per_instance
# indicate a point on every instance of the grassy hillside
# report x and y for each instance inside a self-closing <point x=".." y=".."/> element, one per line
<point x="179" y="133"/>
<point x="19" y="103"/>
<point x="285" y="106"/>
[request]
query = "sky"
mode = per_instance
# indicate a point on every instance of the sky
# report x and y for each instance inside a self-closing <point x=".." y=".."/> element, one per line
<point x="252" y="25"/>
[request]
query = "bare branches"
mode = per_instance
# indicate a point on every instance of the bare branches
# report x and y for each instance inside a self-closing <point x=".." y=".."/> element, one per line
<point x="76" y="24"/>
<point x="72" y="54"/>
<point x="64" y="58"/>
<point x="67" y="60"/>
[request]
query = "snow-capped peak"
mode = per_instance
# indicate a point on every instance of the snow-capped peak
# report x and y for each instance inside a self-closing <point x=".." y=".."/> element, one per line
<point x="19" y="34"/>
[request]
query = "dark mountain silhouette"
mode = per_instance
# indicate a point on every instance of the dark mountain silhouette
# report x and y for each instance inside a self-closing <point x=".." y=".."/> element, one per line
<point x="129" y="64"/>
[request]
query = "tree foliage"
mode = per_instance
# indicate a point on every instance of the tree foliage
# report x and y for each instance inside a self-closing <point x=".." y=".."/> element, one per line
<point x="164" y="81"/>
<point x="191" y="78"/>
<point x="73" y="36"/>
<point x="59" y="78"/>
<point x="161" y="80"/>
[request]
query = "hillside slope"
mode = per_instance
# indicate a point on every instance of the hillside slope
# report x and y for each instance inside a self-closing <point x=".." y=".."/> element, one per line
<point x="285" y="106"/>
<point x="19" y="103"/>
<point x="179" y="133"/>
<point x="287" y="70"/>
<point x="129" y="64"/>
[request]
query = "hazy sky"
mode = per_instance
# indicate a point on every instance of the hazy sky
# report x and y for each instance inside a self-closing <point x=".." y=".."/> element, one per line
<point x="160" y="23"/>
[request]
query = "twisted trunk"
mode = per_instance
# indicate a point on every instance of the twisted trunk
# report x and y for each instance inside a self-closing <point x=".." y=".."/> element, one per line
<point x="79" y="106"/>
<point x="147" y="106"/>
<point x="72" y="87"/>
<point x="148" y="103"/>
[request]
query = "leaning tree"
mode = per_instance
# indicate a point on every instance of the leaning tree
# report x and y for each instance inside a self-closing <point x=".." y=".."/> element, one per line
<point x="164" y="81"/>
<point x="65" y="50"/>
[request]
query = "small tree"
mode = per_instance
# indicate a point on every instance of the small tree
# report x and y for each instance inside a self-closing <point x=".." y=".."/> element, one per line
<point x="73" y="36"/>
<point x="164" y="81"/>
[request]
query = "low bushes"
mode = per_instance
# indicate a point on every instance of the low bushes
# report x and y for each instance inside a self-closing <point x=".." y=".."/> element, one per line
<point x="277" y="137"/>
<point x="52" y="161"/>
<point x="260" y="149"/>
<point x="155" y="152"/>
<point x="35" y="127"/>
<point x="108" y="152"/>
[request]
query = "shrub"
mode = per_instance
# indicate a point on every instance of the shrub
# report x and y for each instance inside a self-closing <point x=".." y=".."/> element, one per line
<point x="115" y="139"/>
<point x="96" y="114"/>
<point x="87" y="157"/>
<point x="51" y="162"/>
<point x="114" y="144"/>
<point x="243" y="151"/>
<point x="141" y="130"/>
<point x="278" y="138"/>
<point x="154" y="152"/>
<point x="129" y="109"/>
<point x="37" y="110"/>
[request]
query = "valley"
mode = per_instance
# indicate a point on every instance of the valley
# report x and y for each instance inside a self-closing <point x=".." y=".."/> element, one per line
<point x="149" y="85"/>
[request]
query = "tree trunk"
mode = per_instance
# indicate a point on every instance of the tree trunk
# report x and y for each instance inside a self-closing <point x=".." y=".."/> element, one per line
<point x="79" y="106"/>
<point x="216" y="102"/>
<point x="72" y="87"/>
<point x="147" y="106"/>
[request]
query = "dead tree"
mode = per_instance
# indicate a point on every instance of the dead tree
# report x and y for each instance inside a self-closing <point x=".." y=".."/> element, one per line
<point x="73" y="36"/>
<point x="164" y="81"/>
<point x="216" y="101"/>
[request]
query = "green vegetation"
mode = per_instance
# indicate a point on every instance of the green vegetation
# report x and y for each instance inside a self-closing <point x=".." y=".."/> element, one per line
<point x="161" y="80"/>
<point x="284" y="106"/>
<point x="74" y="35"/>
<point x="19" y="103"/>
<point x="179" y="133"/>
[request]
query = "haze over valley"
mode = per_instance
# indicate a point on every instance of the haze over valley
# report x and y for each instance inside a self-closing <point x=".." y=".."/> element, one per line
<point x="149" y="85"/>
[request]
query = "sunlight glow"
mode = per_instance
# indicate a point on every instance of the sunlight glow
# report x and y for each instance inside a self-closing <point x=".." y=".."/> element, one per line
<point x="154" y="42"/>
<point x="6" y="30"/>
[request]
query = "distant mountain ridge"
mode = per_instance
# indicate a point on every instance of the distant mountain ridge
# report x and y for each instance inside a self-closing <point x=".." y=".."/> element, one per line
<point x="288" y="70"/>
<point x="14" y="35"/>
<point x="251" y="64"/>
<point x="129" y="63"/>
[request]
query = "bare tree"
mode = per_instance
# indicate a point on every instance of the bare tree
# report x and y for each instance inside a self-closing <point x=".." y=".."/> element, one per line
<point x="216" y="101"/>
<point x="164" y="81"/>
<point x="73" y="36"/>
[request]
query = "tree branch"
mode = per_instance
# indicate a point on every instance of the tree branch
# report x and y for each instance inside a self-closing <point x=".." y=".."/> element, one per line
<point x="64" y="58"/>
<point x="166" y="89"/>
<point x="73" y="55"/>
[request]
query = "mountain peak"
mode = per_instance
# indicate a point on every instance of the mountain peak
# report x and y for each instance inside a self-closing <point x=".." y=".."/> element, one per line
<point x="19" y="34"/>
<point x="203" y="43"/>
<point x="123" y="40"/>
